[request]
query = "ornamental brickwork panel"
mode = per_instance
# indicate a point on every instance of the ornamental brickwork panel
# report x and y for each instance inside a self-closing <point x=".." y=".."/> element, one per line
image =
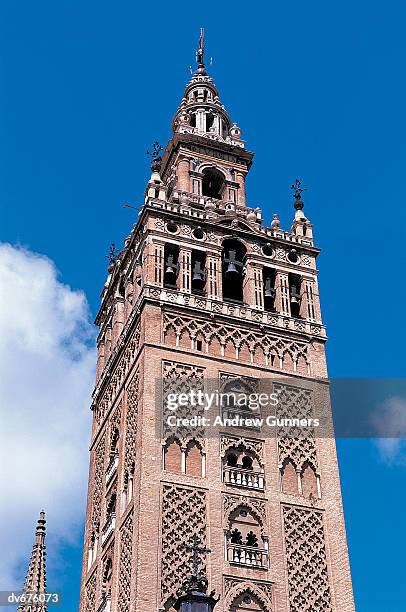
<point x="124" y="575"/>
<point x="309" y="589"/>
<point x="295" y="402"/>
<point x="90" y="594"/>
<point x="181" y="378"/>
<point x="183" y="516"/>
<point x="98" y="479"/>
<point x="131" y="423"/>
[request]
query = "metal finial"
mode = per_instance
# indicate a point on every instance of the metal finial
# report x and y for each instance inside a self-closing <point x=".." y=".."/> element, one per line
<point x="297" y="193"/>
<point x="196" y="550"/>
<point x="112" y="254"/>
<point x="156" y="156"/>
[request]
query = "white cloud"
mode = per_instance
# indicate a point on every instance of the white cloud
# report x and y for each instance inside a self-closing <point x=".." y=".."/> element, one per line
<point x="390" y="421"/>
<point x="47" y="371"/>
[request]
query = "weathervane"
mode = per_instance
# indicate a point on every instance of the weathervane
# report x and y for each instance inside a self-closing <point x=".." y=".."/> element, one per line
<point x="156" y="156"/>
<point x="197" y="550"/>
<point x="297" y="193"/>
<point x="112" y="254"/>
<point x="200" y="51"/>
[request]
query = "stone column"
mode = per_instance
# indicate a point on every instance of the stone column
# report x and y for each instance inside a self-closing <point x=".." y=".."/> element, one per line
<point x="241" y="202"/>
<point x="118" y="319"/>
<point x="183" y="175"/>
<point x="100" y="359"/>
<point x="282" y="302"/>
<point x="107" y="344"/>
<point x="310" y="307"/>
<point x="185" y="268"/>
<point x="213" y="283"/>
<point x="253" y="294"/>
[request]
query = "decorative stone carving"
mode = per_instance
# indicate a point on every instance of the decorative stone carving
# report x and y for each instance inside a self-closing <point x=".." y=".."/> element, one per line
<point x="258" y="342"/>
<point x="257" y="507"/>
<point x="183" y="516"/>
<point x="235" y="587"/>
<point x="309" y="589"/>
<point x="255" y="446"/>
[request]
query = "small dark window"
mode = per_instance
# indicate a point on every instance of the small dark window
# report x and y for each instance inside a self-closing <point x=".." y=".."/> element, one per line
<point x="209" y="121"/>
<point x="199" y="345"/>
<point x="267" y="250"/>
<point x="213" y="183"/>
<point x="293" y="256"/>
<point x="231" y="460"/>
<point x="247" y="463"/>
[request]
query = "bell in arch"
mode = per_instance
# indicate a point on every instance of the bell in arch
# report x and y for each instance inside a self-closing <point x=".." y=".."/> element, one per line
<point x="233" y="264"/>
<point x="294" y="295"/>
<point x="171" y="269"/>
<point x="269" y="290"/>
<point x="199" y="275"/>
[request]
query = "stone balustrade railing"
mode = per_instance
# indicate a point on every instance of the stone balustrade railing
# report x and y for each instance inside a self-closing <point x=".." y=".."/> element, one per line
<point x="251" y="556"/>
<point x="109" y="527"/>
<point x="240" y="477"/>
<point x="111" y="468"/>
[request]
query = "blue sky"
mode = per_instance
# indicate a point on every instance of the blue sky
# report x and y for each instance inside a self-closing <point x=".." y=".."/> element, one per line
<point x="319" y="92"/>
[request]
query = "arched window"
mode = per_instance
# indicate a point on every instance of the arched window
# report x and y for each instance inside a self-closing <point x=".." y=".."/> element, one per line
<point x="213" y="183"/>
<point x="173" y="457"/>
<point x="309" y="482"/>
<point x="193" y="460"/>
<point x="245" y="542"/>
<point x="232" y="270"/>
<point x="290" y="479"/>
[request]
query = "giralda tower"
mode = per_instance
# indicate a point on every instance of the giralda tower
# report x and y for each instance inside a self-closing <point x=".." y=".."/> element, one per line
<point x="204" y="291"/>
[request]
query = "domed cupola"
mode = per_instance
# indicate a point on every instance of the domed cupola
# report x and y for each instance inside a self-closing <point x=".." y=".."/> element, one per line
<point x="200" y="111"/>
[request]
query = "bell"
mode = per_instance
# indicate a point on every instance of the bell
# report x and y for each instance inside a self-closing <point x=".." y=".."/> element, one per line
<point x="199" y="276"/>
<point x="294" y="295"/>
<point x="269" y="290"/>
<point x="232" y="271"/>
<point x="171" y="268"/>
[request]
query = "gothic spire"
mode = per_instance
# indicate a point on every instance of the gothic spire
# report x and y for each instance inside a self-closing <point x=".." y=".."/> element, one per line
<point x="35" y="581"/>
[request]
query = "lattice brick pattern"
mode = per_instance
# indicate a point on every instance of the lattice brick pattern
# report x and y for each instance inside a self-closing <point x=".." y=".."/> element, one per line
<point x="309" y="589"/>
<point x="118" y="377"/>
<point x="183" y="515"/>
<point x="238" y="337"/>
<point x="124" y="575"/>
<point x="181" y="378"/>
<point x="131" y="426"/>
<point x="295" y="402"/>
<point x="90" y="605"/>
<point x="98" y="476"/>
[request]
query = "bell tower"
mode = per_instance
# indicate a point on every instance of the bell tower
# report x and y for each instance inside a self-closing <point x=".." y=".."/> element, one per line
<point x="203" y="292"/>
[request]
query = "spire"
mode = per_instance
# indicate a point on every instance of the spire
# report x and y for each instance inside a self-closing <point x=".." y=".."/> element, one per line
<point x="201" y="111"/>
<point x="35" y="581"/>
